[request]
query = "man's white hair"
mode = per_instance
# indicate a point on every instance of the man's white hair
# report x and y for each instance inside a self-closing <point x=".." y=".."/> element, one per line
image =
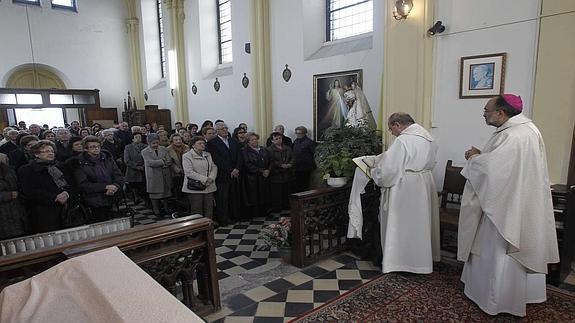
<point x="107" y="131"/>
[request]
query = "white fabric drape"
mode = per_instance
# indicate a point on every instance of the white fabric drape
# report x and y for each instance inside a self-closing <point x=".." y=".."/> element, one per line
<point x="102" y="286"/>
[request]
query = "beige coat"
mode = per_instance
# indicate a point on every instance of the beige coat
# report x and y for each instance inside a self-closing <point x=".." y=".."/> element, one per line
<point x="176" y="162"/>
<point x="199" y="168"/>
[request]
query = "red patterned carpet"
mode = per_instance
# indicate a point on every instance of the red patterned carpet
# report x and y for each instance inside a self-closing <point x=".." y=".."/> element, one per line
<point x="438" y="297"/>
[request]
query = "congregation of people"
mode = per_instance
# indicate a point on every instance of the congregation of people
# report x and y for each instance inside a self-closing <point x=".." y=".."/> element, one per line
<point x="55" y="178"/>
<point x="506" y="232"/>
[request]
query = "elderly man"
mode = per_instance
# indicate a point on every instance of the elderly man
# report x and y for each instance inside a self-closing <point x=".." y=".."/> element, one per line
<point x="35" y="130"/>
<point x="506" y="233"/>
<point x="74" y="128"/>
<point x="225" y="152"/>
<point x="11" y="143"/>
<point x="63" y="150"/>
<point x="409" y="211"/>
<point x="285" y="139"/>
<point x="303" y="152"/>
<point x="5" y="134"/>
<point x="124" y="134"/>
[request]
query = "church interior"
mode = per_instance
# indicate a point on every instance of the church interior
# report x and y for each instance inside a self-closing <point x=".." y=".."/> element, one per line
<point x="271" y="62"/>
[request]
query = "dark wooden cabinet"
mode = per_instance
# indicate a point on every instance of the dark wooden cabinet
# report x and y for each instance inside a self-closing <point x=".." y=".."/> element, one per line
<point x="151" y="114"/>
<point x="98" y="114"/>
<point x="564" y="209"/>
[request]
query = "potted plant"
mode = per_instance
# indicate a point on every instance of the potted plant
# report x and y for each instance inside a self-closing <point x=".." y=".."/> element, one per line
<point x="339" y="146"/>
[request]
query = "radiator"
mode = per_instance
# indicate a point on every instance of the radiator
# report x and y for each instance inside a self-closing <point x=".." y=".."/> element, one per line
<point x="56" y="238"/>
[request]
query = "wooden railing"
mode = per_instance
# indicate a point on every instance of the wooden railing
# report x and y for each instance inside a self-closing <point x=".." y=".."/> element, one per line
<point x="175" y="253"/>
<point x="319" y="224"/>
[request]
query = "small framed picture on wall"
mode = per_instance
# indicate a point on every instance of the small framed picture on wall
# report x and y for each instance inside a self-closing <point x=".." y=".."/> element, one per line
<point x="482" y="76"/>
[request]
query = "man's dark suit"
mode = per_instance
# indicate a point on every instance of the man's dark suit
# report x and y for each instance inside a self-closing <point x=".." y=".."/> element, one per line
<point x="227" y="194"/>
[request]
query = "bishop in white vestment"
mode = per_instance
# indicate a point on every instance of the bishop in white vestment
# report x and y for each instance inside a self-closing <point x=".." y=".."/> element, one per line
<point x="506" y="234"/>
<point x="409" y="211"/>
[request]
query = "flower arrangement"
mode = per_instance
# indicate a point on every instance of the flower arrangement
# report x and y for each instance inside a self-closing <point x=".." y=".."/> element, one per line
<point x="277" y="234"/>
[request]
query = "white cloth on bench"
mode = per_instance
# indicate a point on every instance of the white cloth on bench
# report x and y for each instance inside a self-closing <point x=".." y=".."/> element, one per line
<point x="102" y="286"/>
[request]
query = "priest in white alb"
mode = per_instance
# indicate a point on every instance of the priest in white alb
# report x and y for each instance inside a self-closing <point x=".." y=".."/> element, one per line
<point x="409" y="211"/>
<point x="506" y="234"/>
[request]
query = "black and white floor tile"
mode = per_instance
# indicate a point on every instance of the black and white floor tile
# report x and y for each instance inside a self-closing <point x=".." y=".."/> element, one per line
<point x="282" y="295"/>
<point x="288" y="297"/>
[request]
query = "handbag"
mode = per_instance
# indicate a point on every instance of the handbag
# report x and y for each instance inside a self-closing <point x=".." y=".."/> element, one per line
<point x="195" y="185"/>
<point x="75" y="213"/>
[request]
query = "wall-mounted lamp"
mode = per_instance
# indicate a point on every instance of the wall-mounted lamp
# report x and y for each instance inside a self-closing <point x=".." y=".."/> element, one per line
<point x="402" y="8"/>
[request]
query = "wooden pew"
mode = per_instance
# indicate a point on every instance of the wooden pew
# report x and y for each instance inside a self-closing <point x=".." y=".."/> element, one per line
<point x="451" y="194"/>
<point x="174" y="252"/>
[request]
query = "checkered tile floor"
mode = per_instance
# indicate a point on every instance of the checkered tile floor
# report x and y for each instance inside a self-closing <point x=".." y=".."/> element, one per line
<point x="288" y="297"/>
<point x="239" y="251"/>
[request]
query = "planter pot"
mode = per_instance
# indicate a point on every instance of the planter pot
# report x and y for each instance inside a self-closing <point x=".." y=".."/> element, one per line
<point x="337" y="181"/>
<point x="285" y="253"/>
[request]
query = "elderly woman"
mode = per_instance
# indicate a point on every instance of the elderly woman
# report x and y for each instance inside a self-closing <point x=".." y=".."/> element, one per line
<point x="255" y="184"/>
<point x="12" y="213"/>
<point x="85" y="132"/>
<point x="192" y="129"/>
<point x="177" y="149"/>
<point x="164" y="139"/>
<point x="98" y="178"/>
<point x="114" y="146"/>
<point x="75" y="145"/>
<point x="281" y="172"/>
<point x="157" y="163"/>
<point x="96" y="128"/>
<point x="22" y="155"/>
<point x="134" y="161"/>
<point x="199" y="166"/>
<point x="49" y="135"/>
<point x="240" y="136"/>
<point x="44" y="188"/>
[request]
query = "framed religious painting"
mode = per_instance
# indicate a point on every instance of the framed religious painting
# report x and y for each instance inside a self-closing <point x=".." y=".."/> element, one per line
<point x="482" y="76"/>
<point x="329" y="105"/>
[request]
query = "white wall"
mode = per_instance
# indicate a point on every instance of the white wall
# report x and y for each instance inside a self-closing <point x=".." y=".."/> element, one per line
<point x="293" y="101"/>
<point x="156" y="86"/>
<point x="90" y="48"/>
<point x="458" y="123"/>
<point x="233" y="103"/>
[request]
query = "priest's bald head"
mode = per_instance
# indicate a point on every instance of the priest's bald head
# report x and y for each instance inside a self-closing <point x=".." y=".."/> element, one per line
<point x="398" y="121"/>
<point x="502" y="107"/>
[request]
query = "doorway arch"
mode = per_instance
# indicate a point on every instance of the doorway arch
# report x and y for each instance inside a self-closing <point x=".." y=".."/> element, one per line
<point x="35" y="76"/>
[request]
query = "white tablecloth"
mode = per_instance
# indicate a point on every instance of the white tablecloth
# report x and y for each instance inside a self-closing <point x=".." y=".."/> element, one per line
<point x="103" y="286"/>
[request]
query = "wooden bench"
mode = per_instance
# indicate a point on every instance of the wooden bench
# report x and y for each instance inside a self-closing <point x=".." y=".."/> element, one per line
<point x="451" y="194"/>
<point x="176" y="253"/>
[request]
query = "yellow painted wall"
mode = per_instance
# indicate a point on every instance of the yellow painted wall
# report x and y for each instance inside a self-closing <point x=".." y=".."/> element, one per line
<point x="554" y="100"/>
<point x="408" y="65"/>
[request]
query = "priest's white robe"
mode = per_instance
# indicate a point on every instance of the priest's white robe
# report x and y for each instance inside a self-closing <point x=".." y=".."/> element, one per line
<point x="409" y="210"/>
<point x="506" y="234"/>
